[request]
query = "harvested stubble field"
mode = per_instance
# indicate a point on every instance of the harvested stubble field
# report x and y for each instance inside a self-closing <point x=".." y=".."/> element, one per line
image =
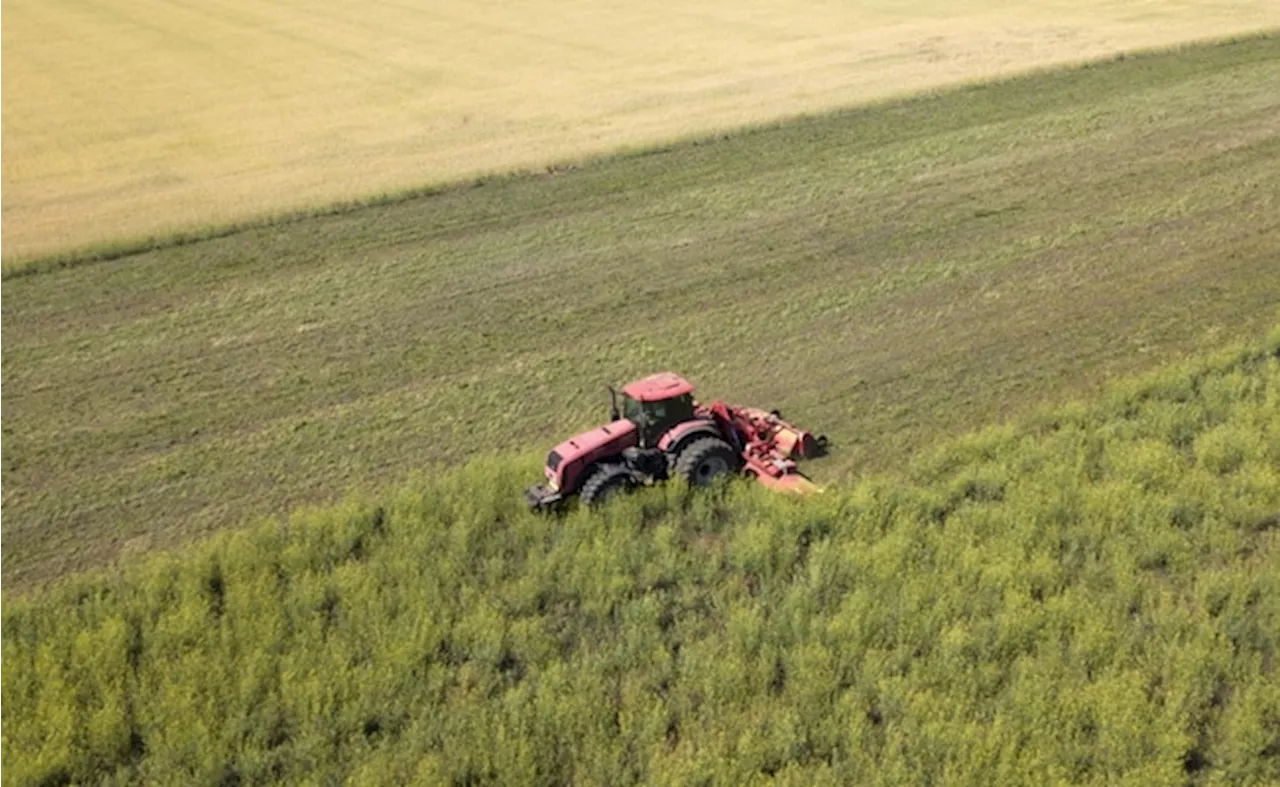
<point x="888" y="275"/>
<point x="127" y="118"/>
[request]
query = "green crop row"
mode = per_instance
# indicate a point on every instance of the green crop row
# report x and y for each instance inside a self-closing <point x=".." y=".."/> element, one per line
<point x="1091" y="596"/>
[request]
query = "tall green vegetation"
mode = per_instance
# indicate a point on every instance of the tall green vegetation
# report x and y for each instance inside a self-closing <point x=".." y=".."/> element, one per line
<point x="1091" y="596"/>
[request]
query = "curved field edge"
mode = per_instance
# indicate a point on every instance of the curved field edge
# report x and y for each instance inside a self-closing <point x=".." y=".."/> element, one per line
<point x="1089" y="596"/>
<point x="1030" y="82"/>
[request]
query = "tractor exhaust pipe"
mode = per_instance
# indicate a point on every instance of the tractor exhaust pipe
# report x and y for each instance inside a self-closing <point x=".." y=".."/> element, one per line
<point x="614" y="415"/>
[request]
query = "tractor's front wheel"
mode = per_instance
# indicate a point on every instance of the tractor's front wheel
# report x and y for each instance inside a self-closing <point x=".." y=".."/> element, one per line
<point x="605" y="482"/>
<point x="704" y="460"/>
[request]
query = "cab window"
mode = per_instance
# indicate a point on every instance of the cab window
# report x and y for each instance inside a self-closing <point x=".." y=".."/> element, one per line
<point x="631" y="409"/>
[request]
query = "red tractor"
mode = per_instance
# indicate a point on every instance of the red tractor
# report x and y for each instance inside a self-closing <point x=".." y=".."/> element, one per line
<point x="661" y="432"/>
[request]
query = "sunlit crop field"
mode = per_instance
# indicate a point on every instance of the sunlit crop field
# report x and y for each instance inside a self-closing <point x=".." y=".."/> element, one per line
<point x="1088" y="597"/>
<point x="887" y="275"/>
<point x="127" y="118"/>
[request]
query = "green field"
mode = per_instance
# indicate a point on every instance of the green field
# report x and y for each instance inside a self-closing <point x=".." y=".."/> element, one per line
<point x="889" y="276"/>
<point x="1092" y="596"/>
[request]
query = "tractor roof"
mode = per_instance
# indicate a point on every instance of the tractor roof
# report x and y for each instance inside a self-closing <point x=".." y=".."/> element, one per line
<point x="657" y="387"/>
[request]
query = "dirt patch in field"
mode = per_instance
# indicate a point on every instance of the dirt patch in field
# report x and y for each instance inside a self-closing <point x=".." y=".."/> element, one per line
<point x="124" y="119"/>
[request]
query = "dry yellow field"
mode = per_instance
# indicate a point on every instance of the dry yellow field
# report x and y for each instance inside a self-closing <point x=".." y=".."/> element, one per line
<point x="124" y="118"/>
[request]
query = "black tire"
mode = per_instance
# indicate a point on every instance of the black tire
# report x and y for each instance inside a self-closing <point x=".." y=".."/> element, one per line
<point x="605" y="482"/>
<point x="706" y="459"/>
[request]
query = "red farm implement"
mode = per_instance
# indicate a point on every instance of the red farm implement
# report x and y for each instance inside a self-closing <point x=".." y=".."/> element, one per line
<point x="659" y="431"/>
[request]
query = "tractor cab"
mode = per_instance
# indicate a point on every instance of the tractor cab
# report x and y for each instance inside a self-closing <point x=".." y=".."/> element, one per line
<point x="655" y="404"/>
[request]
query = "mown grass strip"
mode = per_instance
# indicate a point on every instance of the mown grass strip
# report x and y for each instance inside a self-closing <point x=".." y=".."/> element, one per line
<point x="888" y="276"/>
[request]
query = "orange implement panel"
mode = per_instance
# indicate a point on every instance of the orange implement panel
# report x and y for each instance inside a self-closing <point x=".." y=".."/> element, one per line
<point x="785" y="441"/>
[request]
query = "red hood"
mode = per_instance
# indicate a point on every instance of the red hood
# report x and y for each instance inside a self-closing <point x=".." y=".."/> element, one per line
<point x="618" y="434"/>
<point x="579" y="452"/>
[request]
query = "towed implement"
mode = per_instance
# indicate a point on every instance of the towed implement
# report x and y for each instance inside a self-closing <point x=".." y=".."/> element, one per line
<point x="658" y="431"/>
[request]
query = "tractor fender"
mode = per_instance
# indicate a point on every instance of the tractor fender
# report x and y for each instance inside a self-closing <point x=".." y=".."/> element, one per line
<point x="680" y="435"/>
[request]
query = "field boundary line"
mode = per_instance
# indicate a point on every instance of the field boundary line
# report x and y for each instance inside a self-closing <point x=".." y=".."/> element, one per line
<point x="109" y="251"/>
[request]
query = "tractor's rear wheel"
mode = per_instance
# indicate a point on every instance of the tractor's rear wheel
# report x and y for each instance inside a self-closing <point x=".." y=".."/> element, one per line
<point x="706" y="459"/>
<point x="605" y="482"/>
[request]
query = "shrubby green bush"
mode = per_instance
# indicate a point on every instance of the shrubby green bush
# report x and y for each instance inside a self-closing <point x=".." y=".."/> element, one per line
<point x="1093" y="596"/>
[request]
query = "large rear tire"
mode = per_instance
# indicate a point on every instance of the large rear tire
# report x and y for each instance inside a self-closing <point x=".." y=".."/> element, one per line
<point x="706" y="459"/>
<point x="605" y="482"/>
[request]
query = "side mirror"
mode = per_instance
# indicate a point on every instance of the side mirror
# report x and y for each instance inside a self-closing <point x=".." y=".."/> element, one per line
<point x="613" y="404"/>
